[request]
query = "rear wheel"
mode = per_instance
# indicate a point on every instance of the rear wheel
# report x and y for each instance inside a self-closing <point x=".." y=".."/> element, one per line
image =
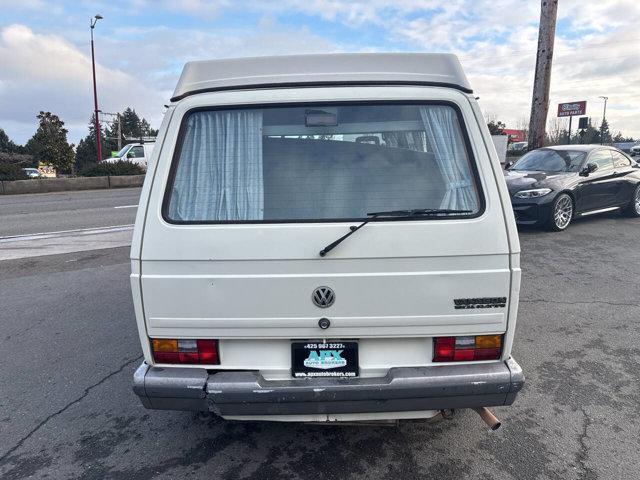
<point x="561" y="213"/>
<point x="633" y="209"/>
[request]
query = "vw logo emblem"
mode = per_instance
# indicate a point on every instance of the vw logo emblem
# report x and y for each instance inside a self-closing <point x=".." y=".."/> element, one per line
<point x="323" y="297"/>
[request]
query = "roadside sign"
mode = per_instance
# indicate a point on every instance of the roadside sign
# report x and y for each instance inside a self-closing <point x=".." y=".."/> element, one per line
<point x="514" y="135"/>
<point x="572" y="108"/>
<point x="47" y="170"/>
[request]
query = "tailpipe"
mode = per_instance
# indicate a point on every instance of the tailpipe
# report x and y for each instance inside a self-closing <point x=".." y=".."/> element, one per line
<point x="489" y="418"/>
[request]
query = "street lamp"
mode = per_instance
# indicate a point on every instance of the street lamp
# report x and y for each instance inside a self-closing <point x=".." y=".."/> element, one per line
<point x="604" y="116"/>
<point x="92" y="23"/>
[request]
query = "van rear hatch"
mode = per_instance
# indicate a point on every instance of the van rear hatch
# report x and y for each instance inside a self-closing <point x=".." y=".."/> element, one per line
<point x="253" y="193"/>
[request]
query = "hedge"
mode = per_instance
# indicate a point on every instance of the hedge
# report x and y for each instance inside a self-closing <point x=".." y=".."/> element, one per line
<point x="112" y="169"/>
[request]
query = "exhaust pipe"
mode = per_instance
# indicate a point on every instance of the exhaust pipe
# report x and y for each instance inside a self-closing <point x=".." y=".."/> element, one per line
<point x="487" y="417"/>
<point x="447" y="413"/>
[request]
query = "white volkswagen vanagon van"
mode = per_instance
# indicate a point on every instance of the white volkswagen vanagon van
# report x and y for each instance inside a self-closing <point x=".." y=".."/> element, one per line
<point x="325" y="238"/>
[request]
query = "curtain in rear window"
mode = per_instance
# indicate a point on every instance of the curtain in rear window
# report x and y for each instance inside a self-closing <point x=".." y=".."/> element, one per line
<point x="219" y="173"/>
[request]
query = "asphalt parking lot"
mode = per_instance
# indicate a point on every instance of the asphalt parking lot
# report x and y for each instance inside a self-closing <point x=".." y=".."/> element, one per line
<point x="69" y="347"/>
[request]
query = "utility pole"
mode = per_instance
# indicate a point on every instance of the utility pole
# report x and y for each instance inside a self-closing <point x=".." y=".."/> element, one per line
<point x="540" y="98"/>
<point x="119" y="132"/>
<point x="604" y="117"/>
<point x="92" y="23"/>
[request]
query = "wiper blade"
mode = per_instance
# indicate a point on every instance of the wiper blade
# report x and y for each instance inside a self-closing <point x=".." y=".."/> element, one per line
<point x="391" y="213"/>
<point x="417" y="212"/>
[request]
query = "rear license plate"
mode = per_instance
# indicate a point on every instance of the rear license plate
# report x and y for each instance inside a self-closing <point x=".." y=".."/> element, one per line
<point x="331" y="359"/>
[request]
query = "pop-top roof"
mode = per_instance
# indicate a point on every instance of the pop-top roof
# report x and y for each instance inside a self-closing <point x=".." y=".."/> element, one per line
<point x="326" y="69"/>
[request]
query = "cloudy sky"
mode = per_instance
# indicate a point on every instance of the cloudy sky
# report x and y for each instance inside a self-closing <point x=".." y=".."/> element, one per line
<point x="141" y="45"/>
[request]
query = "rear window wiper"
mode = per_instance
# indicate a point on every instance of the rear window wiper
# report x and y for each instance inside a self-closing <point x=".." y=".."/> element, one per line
<point x="416" y="212"/>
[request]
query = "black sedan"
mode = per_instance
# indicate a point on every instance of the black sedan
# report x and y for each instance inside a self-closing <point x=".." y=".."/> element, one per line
<point x="551" y="186"/>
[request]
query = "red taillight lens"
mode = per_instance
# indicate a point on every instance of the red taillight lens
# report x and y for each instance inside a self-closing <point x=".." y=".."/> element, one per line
<point x="466" y="349"/>
<point x="185" y="351"/>
<point x="487" y="354"/>
<point x="444" y="349"/>
<point x="208" y="351"/>
<point x="166" y="357"/>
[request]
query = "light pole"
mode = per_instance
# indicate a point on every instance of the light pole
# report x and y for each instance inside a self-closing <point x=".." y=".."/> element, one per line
<point x="92" y="23"/>
<point x="604" y="116"/>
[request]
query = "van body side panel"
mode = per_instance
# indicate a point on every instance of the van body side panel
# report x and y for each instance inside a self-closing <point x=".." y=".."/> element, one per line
<point x="137" y="238"/>
<point x="510" y="226"/>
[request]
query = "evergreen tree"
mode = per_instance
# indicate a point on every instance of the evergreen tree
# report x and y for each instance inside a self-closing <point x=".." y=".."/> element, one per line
<point x="9" y="146"/>
<point x="86" y="153"/>
<point x="590" y="135"/>
<point x="133" y="127"/>
<point x="605" y="134"/>
<point x="6" y="144"/>
<point x="49" y="144"/>
<point x="619" y="138"/>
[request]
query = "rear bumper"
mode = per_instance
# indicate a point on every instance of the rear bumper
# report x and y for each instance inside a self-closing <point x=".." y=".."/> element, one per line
<point x="401" y="390"/>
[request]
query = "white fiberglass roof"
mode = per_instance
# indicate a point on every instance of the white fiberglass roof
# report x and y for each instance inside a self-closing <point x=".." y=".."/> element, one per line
<point x="324" y="69"/>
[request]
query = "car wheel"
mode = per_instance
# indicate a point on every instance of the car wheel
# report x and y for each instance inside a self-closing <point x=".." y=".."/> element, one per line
<point x="561" y="213"/>
<point x="633" y="209"/>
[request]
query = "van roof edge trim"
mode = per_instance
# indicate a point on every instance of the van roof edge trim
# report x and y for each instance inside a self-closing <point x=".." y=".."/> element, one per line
<point x="320" y="84"/>
<point x="429" y="69"/>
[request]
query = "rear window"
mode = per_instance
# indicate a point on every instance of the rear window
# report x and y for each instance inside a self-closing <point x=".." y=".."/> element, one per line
<point x="320" y="163"/>
<point x="620" y="160"/>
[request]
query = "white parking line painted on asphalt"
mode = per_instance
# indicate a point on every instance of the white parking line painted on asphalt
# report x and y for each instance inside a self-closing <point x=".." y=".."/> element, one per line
<point x="127" y="206"/>
<point x="65" y="241"/>
<point x="62" y="233"/>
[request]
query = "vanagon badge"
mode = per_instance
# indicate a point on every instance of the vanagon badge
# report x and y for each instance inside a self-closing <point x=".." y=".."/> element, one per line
<point x="323" y="297"/>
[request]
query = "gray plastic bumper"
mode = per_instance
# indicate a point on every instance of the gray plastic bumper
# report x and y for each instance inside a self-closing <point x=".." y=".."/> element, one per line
<point x="402" y="389"/>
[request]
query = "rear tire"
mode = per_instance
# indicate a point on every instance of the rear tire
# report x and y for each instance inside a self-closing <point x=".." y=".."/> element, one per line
<point x="633" y="209"/>
<point x="561" y="213"/>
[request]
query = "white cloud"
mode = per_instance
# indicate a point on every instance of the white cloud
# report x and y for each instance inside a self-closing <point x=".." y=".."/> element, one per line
<point x="196" y="8"/>
<point x="45" y="72"/>
<point x="596" y="52"/>
<point x="497" y="47"/>
<point x="496" y="41"/>
<point x="160" y="53"/>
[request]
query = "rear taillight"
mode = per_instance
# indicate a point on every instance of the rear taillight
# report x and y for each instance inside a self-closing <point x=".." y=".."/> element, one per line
<point x="186" y="351"/>
<point x="467" y="349"/>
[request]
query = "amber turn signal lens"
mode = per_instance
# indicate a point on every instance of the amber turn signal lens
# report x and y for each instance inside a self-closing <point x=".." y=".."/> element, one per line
<point x="165" y="345"/>
<point x="488" y="341"/>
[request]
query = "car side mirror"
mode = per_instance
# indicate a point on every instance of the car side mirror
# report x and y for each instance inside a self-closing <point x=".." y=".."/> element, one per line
<point x="508" y="165"/>
<point x="589" y="168"/>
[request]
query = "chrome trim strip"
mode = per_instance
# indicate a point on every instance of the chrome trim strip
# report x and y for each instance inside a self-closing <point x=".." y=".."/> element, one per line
<point x="602" y="210"/>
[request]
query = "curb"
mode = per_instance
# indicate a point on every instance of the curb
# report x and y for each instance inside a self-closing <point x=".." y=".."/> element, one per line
<point x="48" y="185"/>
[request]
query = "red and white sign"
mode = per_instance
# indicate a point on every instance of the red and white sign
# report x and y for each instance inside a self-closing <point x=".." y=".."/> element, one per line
<point x="514" y="135"/>
<point x="572" y="108"/>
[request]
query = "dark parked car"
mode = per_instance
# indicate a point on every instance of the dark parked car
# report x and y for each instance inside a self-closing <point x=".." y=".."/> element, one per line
<point x="551" y="186"/>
